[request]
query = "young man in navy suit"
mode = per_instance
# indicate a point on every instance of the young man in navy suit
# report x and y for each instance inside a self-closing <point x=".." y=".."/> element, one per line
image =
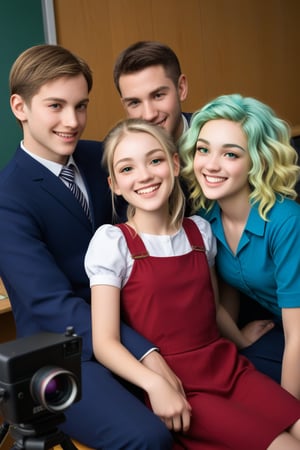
<point x="44" y="237"/>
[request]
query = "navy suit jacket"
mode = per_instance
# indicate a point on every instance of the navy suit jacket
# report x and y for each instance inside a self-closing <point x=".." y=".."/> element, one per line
<point x="44" y="235"/>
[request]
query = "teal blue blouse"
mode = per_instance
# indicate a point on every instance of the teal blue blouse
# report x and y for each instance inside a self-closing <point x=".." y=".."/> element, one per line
<point x="266" y="266"/>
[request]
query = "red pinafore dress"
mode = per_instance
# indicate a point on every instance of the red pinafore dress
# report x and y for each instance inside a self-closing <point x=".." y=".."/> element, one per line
<point x="170" y="301"/>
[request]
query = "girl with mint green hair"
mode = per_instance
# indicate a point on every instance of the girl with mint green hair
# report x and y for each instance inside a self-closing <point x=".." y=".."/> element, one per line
<point x="274" y="168"/>
<point x="241" y="173"/>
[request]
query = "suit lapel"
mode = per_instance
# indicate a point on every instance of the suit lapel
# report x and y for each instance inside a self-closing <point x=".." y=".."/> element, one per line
<point x="46" y="180"/>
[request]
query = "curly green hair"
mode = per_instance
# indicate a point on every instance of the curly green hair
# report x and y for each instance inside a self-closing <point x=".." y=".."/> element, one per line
<point x="274" y="170"/>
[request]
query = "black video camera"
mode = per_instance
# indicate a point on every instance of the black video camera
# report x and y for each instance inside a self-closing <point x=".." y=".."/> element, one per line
<point x="39" y="374"/>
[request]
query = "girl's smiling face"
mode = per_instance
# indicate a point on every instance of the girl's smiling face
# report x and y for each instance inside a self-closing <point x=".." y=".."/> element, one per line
<point x="142" y="170"/>
<point x="222" y="161"/>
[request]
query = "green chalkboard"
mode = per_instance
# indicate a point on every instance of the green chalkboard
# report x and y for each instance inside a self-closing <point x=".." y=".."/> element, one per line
<point x="21" y="26"/>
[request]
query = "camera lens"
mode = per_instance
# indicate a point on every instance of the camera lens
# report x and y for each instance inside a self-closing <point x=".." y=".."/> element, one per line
<point x="54" y="388"/>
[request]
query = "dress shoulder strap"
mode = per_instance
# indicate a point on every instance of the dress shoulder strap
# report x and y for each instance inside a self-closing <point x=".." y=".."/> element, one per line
<point x="193" y="234"/>
<point x="138" y="250"/>
<point x="134" y="242"/>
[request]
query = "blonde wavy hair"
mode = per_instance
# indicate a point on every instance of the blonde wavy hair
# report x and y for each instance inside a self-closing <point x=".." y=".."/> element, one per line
<point x="115" y="136"/>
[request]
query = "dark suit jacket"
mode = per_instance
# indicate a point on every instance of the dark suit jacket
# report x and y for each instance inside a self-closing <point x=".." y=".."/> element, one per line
<point x="188" y="116"/>
<point x="44" y="235"/>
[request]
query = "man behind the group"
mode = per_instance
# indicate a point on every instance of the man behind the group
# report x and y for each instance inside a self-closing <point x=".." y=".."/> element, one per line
<point x="148" y="77"/>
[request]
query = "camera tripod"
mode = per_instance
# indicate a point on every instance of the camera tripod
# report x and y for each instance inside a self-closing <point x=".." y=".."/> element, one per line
<point x="40" y="435"/>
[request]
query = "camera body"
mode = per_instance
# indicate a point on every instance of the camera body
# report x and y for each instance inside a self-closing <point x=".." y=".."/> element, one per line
<point x="39" y="374"/>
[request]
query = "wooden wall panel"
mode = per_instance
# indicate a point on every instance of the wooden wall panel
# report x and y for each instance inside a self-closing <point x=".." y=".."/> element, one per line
<point x="224" y="46"/>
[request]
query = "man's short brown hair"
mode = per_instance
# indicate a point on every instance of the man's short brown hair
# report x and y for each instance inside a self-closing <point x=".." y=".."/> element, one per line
<point x="144" y="54"/>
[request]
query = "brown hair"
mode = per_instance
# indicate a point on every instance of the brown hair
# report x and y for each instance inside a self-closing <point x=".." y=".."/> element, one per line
<point x="144" y="54"/>
<point x="42" y="63"/>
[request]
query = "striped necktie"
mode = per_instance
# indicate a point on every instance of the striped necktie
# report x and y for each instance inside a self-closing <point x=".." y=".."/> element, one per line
<point x="68" y="174"/>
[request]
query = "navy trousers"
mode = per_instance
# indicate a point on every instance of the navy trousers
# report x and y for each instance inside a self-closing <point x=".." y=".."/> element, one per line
<point x="267" y="352"/>
<point x="110" y="417"/>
